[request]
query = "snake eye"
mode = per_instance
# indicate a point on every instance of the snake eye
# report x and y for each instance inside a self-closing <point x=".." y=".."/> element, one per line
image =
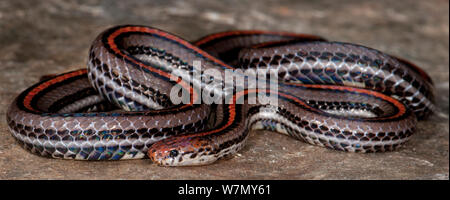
<point x="173" y="153"/>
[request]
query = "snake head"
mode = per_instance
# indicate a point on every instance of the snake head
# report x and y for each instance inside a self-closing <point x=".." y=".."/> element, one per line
<point x="182" y="151"/>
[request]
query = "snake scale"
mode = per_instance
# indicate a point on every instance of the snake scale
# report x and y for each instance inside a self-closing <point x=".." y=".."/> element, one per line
<point x="332" y="94"/>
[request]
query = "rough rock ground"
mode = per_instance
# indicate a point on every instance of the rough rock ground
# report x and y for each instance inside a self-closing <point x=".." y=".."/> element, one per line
<point x="52" y="36"/>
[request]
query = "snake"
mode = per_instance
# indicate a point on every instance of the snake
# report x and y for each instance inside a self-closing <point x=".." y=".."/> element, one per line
<point x="332" y="94"/>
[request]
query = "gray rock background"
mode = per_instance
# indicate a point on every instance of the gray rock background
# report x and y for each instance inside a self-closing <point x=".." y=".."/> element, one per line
<point x="53" y="36"/>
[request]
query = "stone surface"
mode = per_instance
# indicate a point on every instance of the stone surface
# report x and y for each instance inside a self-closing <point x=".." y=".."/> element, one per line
<point x="53" y="36"/>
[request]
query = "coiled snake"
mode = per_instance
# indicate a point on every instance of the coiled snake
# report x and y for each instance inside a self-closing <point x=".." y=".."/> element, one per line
<point x="332" y="94"/>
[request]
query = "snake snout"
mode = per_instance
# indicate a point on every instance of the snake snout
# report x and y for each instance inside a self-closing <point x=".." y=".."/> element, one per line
<point x="164" y="154"/>
<point x="181" y="151"/>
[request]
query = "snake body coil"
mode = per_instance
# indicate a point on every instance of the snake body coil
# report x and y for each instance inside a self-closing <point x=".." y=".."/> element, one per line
<point x="337" y="95"/>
